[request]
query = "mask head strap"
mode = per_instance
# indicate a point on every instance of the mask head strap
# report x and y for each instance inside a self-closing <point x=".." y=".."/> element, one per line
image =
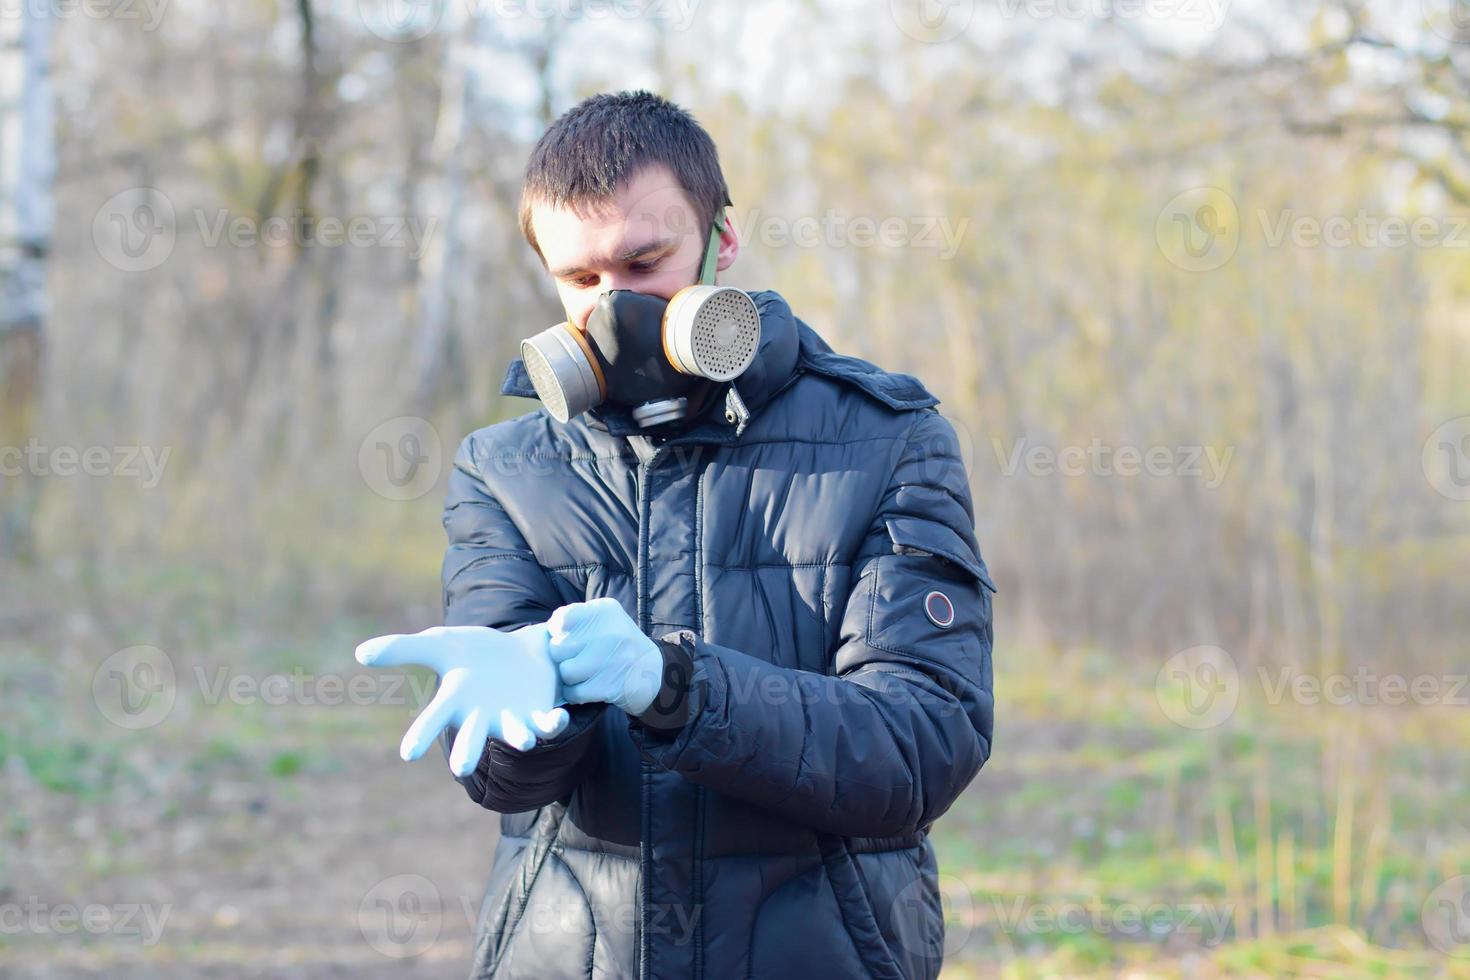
<point x="712" y="250"/>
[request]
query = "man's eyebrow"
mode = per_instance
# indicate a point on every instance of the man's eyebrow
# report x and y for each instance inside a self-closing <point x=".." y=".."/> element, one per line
<point x="631" y="255"/>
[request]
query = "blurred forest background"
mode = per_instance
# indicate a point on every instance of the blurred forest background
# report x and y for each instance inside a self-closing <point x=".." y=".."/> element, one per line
<point x="1190" y="277"/>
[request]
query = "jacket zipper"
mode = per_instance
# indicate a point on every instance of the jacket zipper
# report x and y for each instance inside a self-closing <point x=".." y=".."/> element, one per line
<point x="645" y="513"/>
<point x="645" y="849"/>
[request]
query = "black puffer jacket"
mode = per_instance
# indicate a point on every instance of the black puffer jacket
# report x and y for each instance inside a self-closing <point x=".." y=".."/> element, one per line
<point x="838" y="704"/>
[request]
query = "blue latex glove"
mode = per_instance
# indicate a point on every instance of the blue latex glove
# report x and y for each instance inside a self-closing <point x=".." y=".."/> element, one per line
<point x="491" y="684"/>
<point x="602" y="655"/>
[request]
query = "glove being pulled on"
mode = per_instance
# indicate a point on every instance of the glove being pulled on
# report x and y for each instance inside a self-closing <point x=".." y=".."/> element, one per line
<point x="602" y="655"/>
<point x="492" y="684"/>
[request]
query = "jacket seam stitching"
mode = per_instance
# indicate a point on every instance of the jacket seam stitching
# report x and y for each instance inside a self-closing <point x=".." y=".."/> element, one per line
<point x="778" y="564"/>
<point x="574" y="566"/>
<point x="795" y="854"/>
<point x="496" y="454"/>
<point x="777" y="441"/>
<point x="569" y="567"/>
<point x="811" y="442"/>
<point x="479" y="560"/>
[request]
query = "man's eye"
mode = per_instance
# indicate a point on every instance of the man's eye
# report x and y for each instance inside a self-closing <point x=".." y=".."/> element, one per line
<point x="582" y="282"/>
<point x="644" y="266"/>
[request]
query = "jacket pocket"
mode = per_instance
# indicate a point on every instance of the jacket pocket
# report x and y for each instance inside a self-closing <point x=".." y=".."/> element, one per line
<point x="857" y="910"/>
<point x="556" y="933"/>
<point x="902" y="888"/>
<point x="509" y="853"/>
<point x="911" y="536"/>
<point x="801" y="929"/>
<point x="499" y="928"/>
<point x="930" y="599"/>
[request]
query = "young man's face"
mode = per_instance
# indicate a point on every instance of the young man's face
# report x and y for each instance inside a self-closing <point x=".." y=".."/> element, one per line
<point x="645" y="238"/>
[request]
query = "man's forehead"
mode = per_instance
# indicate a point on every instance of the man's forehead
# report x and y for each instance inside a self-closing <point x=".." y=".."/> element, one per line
<point x="649" y="210"/>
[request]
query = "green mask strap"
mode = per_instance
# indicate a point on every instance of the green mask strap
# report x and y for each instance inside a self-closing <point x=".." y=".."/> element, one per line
<point x="712" y="252"/>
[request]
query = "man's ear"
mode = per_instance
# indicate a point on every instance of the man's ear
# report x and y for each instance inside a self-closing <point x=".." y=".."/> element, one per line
<point x="729" y="245"/>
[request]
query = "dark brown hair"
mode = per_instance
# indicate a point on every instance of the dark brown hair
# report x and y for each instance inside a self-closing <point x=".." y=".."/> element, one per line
<point x="600" y="143"/>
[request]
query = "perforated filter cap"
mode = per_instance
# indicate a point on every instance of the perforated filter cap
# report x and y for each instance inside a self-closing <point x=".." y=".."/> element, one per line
<point x="712" y="331"/>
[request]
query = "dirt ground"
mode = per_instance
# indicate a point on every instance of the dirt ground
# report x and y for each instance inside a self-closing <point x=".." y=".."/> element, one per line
<point x="372" y="871"/>
<point x="235" y="836"/>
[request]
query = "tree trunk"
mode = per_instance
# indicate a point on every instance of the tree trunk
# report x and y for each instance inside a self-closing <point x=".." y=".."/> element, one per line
<point x="444" y="199"/>
<point x="27" y="165"/>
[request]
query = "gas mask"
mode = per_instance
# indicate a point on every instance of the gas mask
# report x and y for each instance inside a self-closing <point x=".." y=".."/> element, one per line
<point x="644" y="352"/>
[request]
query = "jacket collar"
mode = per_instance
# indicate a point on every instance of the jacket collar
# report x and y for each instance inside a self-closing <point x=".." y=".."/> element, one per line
<point x="774" y="367"/>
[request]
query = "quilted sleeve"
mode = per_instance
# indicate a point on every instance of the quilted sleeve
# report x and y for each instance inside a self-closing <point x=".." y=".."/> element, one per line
<point x="883" y="743"/>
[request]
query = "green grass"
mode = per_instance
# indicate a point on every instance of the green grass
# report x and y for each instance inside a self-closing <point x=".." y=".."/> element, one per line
<point x="1060" y="827"/>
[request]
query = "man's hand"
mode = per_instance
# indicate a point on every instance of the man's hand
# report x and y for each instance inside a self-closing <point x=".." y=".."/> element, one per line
<point x="491" y="684"/>
<point x="602" y="655"/>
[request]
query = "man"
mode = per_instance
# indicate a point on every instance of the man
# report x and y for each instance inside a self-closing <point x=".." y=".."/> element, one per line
<point x="761" y="600"/>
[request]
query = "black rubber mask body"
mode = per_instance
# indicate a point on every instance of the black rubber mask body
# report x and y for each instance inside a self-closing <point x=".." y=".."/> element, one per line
<point x="626" y="331"/>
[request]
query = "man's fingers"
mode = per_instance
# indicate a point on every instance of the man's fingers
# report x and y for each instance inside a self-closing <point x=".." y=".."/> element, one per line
<point x="596" y="690"/>
<point x="469" y="744"/>
<point x="569" y="631"/>
<point x="550" y="724"/>
<point x="572" y="620"/>
<point x="513" y="732"/>
<point x="428" y="648"/>
<point x="564" y="647"/>
<point x="427" y="726"/>
<point x="565" y="620"/>
<point x="578" y="668"/>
